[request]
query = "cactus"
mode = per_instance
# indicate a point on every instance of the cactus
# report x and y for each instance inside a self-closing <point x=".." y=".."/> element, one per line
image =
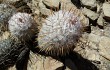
<point x="13" y="45"/>
<point x="59" y="33"/>
<point x="10" y="50"/>
<point x="6" y="11"/>
<point x="22" y="25"/>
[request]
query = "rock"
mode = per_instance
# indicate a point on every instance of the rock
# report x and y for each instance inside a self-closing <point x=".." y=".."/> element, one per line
<point x="92" y="15"/>
<point x="38" y="62"/>
<point x="94" y="38"/>
<point x="107" y="31"/>
<point x="104" y="47"/>
<point x="27" y="1"/>
<point x="106" y="10"/>
<point x="92" y="55"/>
<point x="52" y="3"/>
<point x="44" y="10"/>
<point x="39" y="7"/>
<point x="97" y="31"/>
<point x="93" y="45"/>
<point x="99" y="8"/>
<point x="34" y="6"/>
<point x="97" y="47"/>
<point x="9" y="1"/>
<point x="89" y="3"/>
<point x="100" y="21"/>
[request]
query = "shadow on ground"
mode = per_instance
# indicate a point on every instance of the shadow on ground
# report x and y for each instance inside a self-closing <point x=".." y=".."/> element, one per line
<point x="80" y="62"/>
<point x="76" y="59"/>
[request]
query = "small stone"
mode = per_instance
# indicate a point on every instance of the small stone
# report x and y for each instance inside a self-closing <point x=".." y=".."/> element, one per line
<point x="34" y="6"/>
<point x="100" y="21"/>
<point x="92" y="15"/>
<point x="92" y="55"/>
<point x="43" y="9"/>
<point x="106" y="10"/>
<point x="89" y="3"/>
<point x="97" y="48"/>
<point x="9" y="1"/>
<point x="98" y="8"/>
<point x="93" y="45"/>
<point x="94" y="38"/>
<point x="104" y="47"/>
<point x="107" y="31"/>
<point x="52" y="3"/>
<point x="39" y="62"/>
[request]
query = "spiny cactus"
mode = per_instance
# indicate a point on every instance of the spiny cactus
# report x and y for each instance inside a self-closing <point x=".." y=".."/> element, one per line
<point x="13" y="45"/>
<point x="6" y="11"/>
<point x="59" y="33"/>
<point x="10" y="50"/>
<point x="22" y="25"/>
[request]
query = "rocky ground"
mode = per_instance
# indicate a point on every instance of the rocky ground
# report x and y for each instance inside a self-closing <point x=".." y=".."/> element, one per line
<point x="92" y="51"/>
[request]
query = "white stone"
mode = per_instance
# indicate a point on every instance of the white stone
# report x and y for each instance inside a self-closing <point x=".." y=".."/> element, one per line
<point x="38" y="62"/>
<point x="100" y="21"/>
<point x="94" y="38"/>
<point x="104" y="47"/>
<point x="52" y="3"/>
<point x="91" y="3"/>
<point x="43" y="9"/>
<point x="92" y="55"/>
<point x="92" y="15"/>
<point x="106" y="9"/>
<point x="10" y="1"/>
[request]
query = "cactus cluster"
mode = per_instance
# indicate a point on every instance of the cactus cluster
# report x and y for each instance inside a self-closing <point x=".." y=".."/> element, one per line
<point x="58" y="35"/>
<point x="13" y="42"/>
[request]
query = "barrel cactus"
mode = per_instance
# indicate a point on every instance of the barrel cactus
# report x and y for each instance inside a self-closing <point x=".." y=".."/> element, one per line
<point x="59" y="33"/>
<point x="22" y="25"/>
